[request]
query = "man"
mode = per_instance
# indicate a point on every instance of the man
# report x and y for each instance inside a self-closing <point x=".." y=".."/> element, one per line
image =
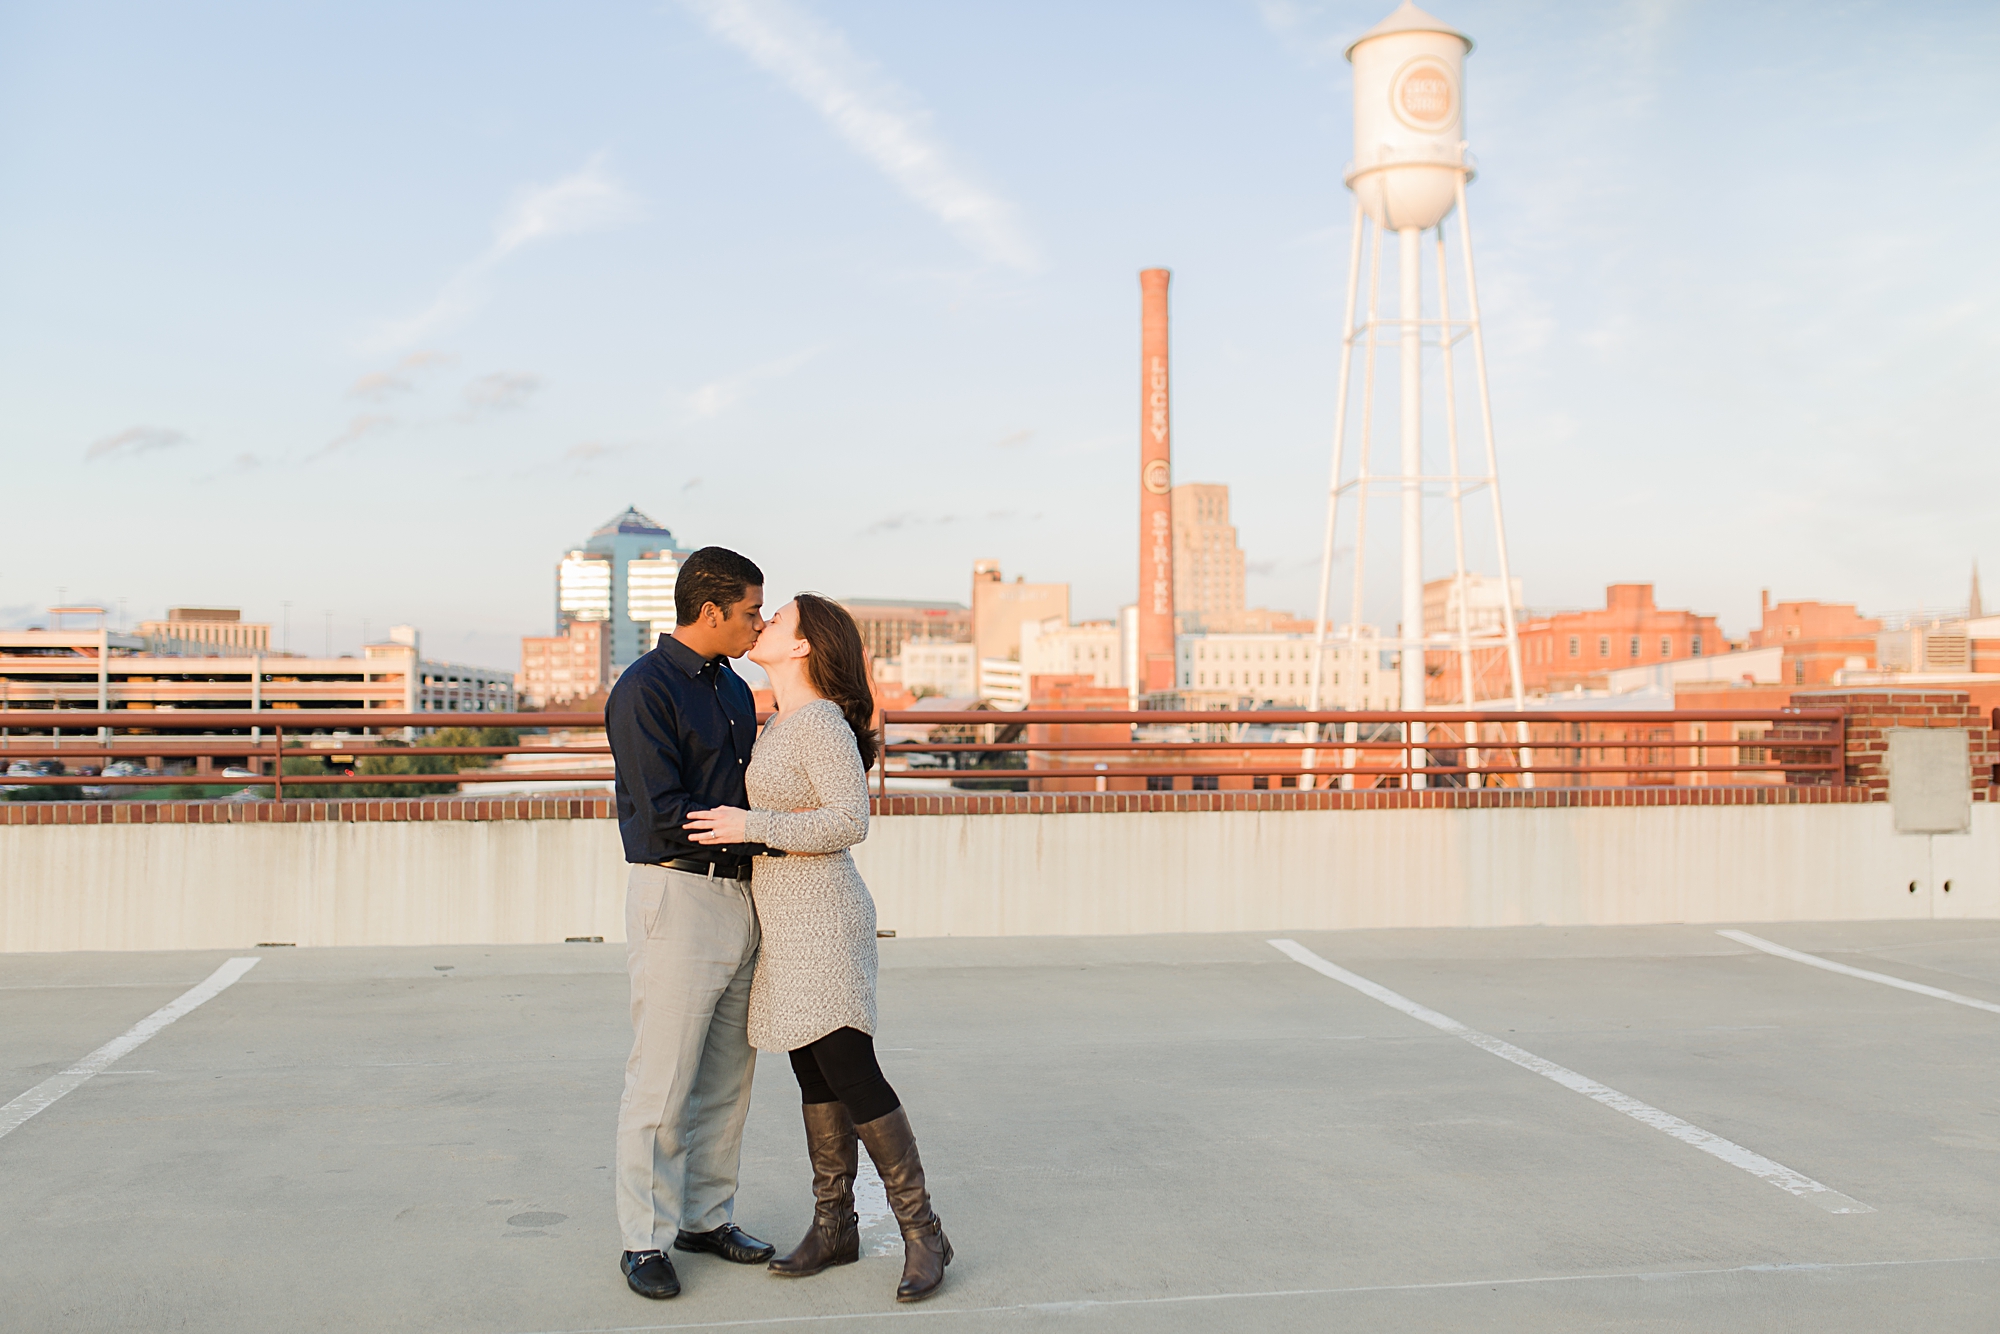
<point x="681" y="725"/>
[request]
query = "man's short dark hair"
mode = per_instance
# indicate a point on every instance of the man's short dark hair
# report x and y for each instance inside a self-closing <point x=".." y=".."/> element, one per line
<point x="713" y="574"/>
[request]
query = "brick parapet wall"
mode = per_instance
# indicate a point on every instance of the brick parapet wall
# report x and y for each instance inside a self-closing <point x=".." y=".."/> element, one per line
<point x="553" y="806"/>
<point x="1872" y="713"/>
<point x="598" y="807"/>
<point x="1390" y="799"/>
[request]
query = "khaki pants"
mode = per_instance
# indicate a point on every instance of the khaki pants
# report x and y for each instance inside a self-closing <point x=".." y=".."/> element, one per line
<point x="690" y="948"/>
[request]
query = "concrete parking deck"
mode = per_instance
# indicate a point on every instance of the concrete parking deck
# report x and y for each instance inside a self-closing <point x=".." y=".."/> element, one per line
<point x="1136" y="1134"/>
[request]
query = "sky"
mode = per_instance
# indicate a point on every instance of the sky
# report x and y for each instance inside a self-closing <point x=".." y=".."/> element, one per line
<point x="356" y="314"/>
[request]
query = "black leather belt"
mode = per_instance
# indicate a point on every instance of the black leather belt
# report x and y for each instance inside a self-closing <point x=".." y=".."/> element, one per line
<point x="713" y="869"/>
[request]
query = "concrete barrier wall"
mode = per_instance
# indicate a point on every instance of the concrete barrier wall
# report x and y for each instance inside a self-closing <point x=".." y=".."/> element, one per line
<point x="188" y="886"/>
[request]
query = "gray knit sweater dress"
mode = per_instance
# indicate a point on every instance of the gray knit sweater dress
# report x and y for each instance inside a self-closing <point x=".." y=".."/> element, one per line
<point x="809" y="796"/>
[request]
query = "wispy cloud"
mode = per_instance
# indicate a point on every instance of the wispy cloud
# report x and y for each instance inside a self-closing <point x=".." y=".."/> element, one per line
<point x="503" y="391"/>
<point x="365" y="425"/>
<point x="133" y="440"/>
<point x="895" y="523"/>
<point x="1015" y="440"/>
<point x="236" y="467"/>
<point x="877" y="119"/>
<point x="588" y="199"/>
<point x="718" y="396"/>
<point x="379" y="386"/>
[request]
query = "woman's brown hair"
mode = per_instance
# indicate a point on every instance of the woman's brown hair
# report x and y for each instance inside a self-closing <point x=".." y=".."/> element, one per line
<point x="838" y="666"/>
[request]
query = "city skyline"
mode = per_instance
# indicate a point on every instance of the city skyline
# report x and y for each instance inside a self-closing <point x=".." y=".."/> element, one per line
<point x="443" y="332"/>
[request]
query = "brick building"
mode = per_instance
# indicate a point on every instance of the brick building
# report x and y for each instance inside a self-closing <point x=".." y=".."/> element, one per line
<point x="556" y="669"/>
<point x="1580" y="648"/>
<point x="1818" y="639"/>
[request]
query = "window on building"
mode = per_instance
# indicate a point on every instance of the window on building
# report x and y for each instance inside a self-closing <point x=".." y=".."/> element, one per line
<point x="1635" y="646"/>
<point x="1694" y="646"/>
<point x="1575" y="646"/>
<point x="1604" y="646"/>
<point x="1666" y="647"/>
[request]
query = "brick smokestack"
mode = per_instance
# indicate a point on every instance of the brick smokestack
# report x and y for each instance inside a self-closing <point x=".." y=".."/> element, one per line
<point x="1156" y="476"/>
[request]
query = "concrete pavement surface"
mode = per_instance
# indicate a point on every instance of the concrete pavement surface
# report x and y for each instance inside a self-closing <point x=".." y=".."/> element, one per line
<point x="1184" y="1133"/>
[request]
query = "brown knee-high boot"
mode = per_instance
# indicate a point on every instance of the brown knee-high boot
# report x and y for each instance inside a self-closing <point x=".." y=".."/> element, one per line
<point x="926" y="1249"/>
<point x="835" y="1235"/>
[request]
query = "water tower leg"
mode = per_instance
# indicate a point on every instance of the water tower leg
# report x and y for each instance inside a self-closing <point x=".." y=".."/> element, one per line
<point x="1493" y="484"/>
<point x="1367" y="440"/>
<point x="1457" y="490"/>
<point x="1313" y="701"/>
<point x="1410" y="310"/>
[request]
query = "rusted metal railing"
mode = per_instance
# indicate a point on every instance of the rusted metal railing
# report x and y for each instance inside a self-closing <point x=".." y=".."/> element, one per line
<point x="268" y="737"/>
<point x="1048" y="750"/>
<point x="1071" y="750"/>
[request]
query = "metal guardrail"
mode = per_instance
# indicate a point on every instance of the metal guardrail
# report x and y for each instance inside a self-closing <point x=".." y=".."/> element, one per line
<point x="1375" y="749"/>
<point x="258" y="738"/>
<point x="1155" y="748"/>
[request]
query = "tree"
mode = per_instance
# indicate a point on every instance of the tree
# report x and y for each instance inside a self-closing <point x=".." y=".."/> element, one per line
<point x="410" y="763"/>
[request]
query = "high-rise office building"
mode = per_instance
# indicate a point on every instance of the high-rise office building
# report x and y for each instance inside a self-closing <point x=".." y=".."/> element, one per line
<point x="649" y="589"/>
<point x="624" y="576"/>
<point x="1208" y="564"/>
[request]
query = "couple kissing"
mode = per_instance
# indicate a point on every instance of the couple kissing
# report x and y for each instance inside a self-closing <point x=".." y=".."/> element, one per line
<point x="748" y="928"/>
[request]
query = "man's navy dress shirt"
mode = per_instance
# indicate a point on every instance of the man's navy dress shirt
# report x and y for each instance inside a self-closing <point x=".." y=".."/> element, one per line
<point x="681" y="727"/>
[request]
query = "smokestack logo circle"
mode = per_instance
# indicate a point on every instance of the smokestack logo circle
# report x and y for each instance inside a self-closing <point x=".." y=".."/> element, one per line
<point x="1157" y="477"/>
<point x="1423" y="95"/>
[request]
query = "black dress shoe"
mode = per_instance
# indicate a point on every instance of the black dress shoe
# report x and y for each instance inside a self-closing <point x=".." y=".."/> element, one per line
<point x="728" y="1241"/>
<point x="651" y="1274"/>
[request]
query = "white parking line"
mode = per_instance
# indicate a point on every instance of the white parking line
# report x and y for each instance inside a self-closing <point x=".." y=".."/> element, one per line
<point x="1086" y="1305"/>
<point x="1756" y="1164"/>
<point x="1799" y="956"/>
<point x="44" y="1094"/>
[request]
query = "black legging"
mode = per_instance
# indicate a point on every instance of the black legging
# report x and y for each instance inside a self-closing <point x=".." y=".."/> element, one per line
<point x="840" y="1067"/>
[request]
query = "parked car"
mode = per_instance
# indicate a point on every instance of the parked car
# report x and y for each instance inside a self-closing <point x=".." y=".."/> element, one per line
<point x="39" y="791"/>
<point x="31" y="769"/>
<point x="117" y="769"/>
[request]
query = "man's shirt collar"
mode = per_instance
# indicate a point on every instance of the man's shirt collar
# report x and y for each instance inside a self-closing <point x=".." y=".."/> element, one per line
<point x="683" y="657"/>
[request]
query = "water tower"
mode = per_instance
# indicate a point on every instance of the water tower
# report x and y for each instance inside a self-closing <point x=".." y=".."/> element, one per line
<point x="1408" y="176"/>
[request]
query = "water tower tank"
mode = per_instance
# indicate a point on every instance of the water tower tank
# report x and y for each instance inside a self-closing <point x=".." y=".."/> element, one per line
<point x="1409" y="118"/>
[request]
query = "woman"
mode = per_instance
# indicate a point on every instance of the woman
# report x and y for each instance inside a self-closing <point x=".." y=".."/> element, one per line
<point x="814" y="992"/>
